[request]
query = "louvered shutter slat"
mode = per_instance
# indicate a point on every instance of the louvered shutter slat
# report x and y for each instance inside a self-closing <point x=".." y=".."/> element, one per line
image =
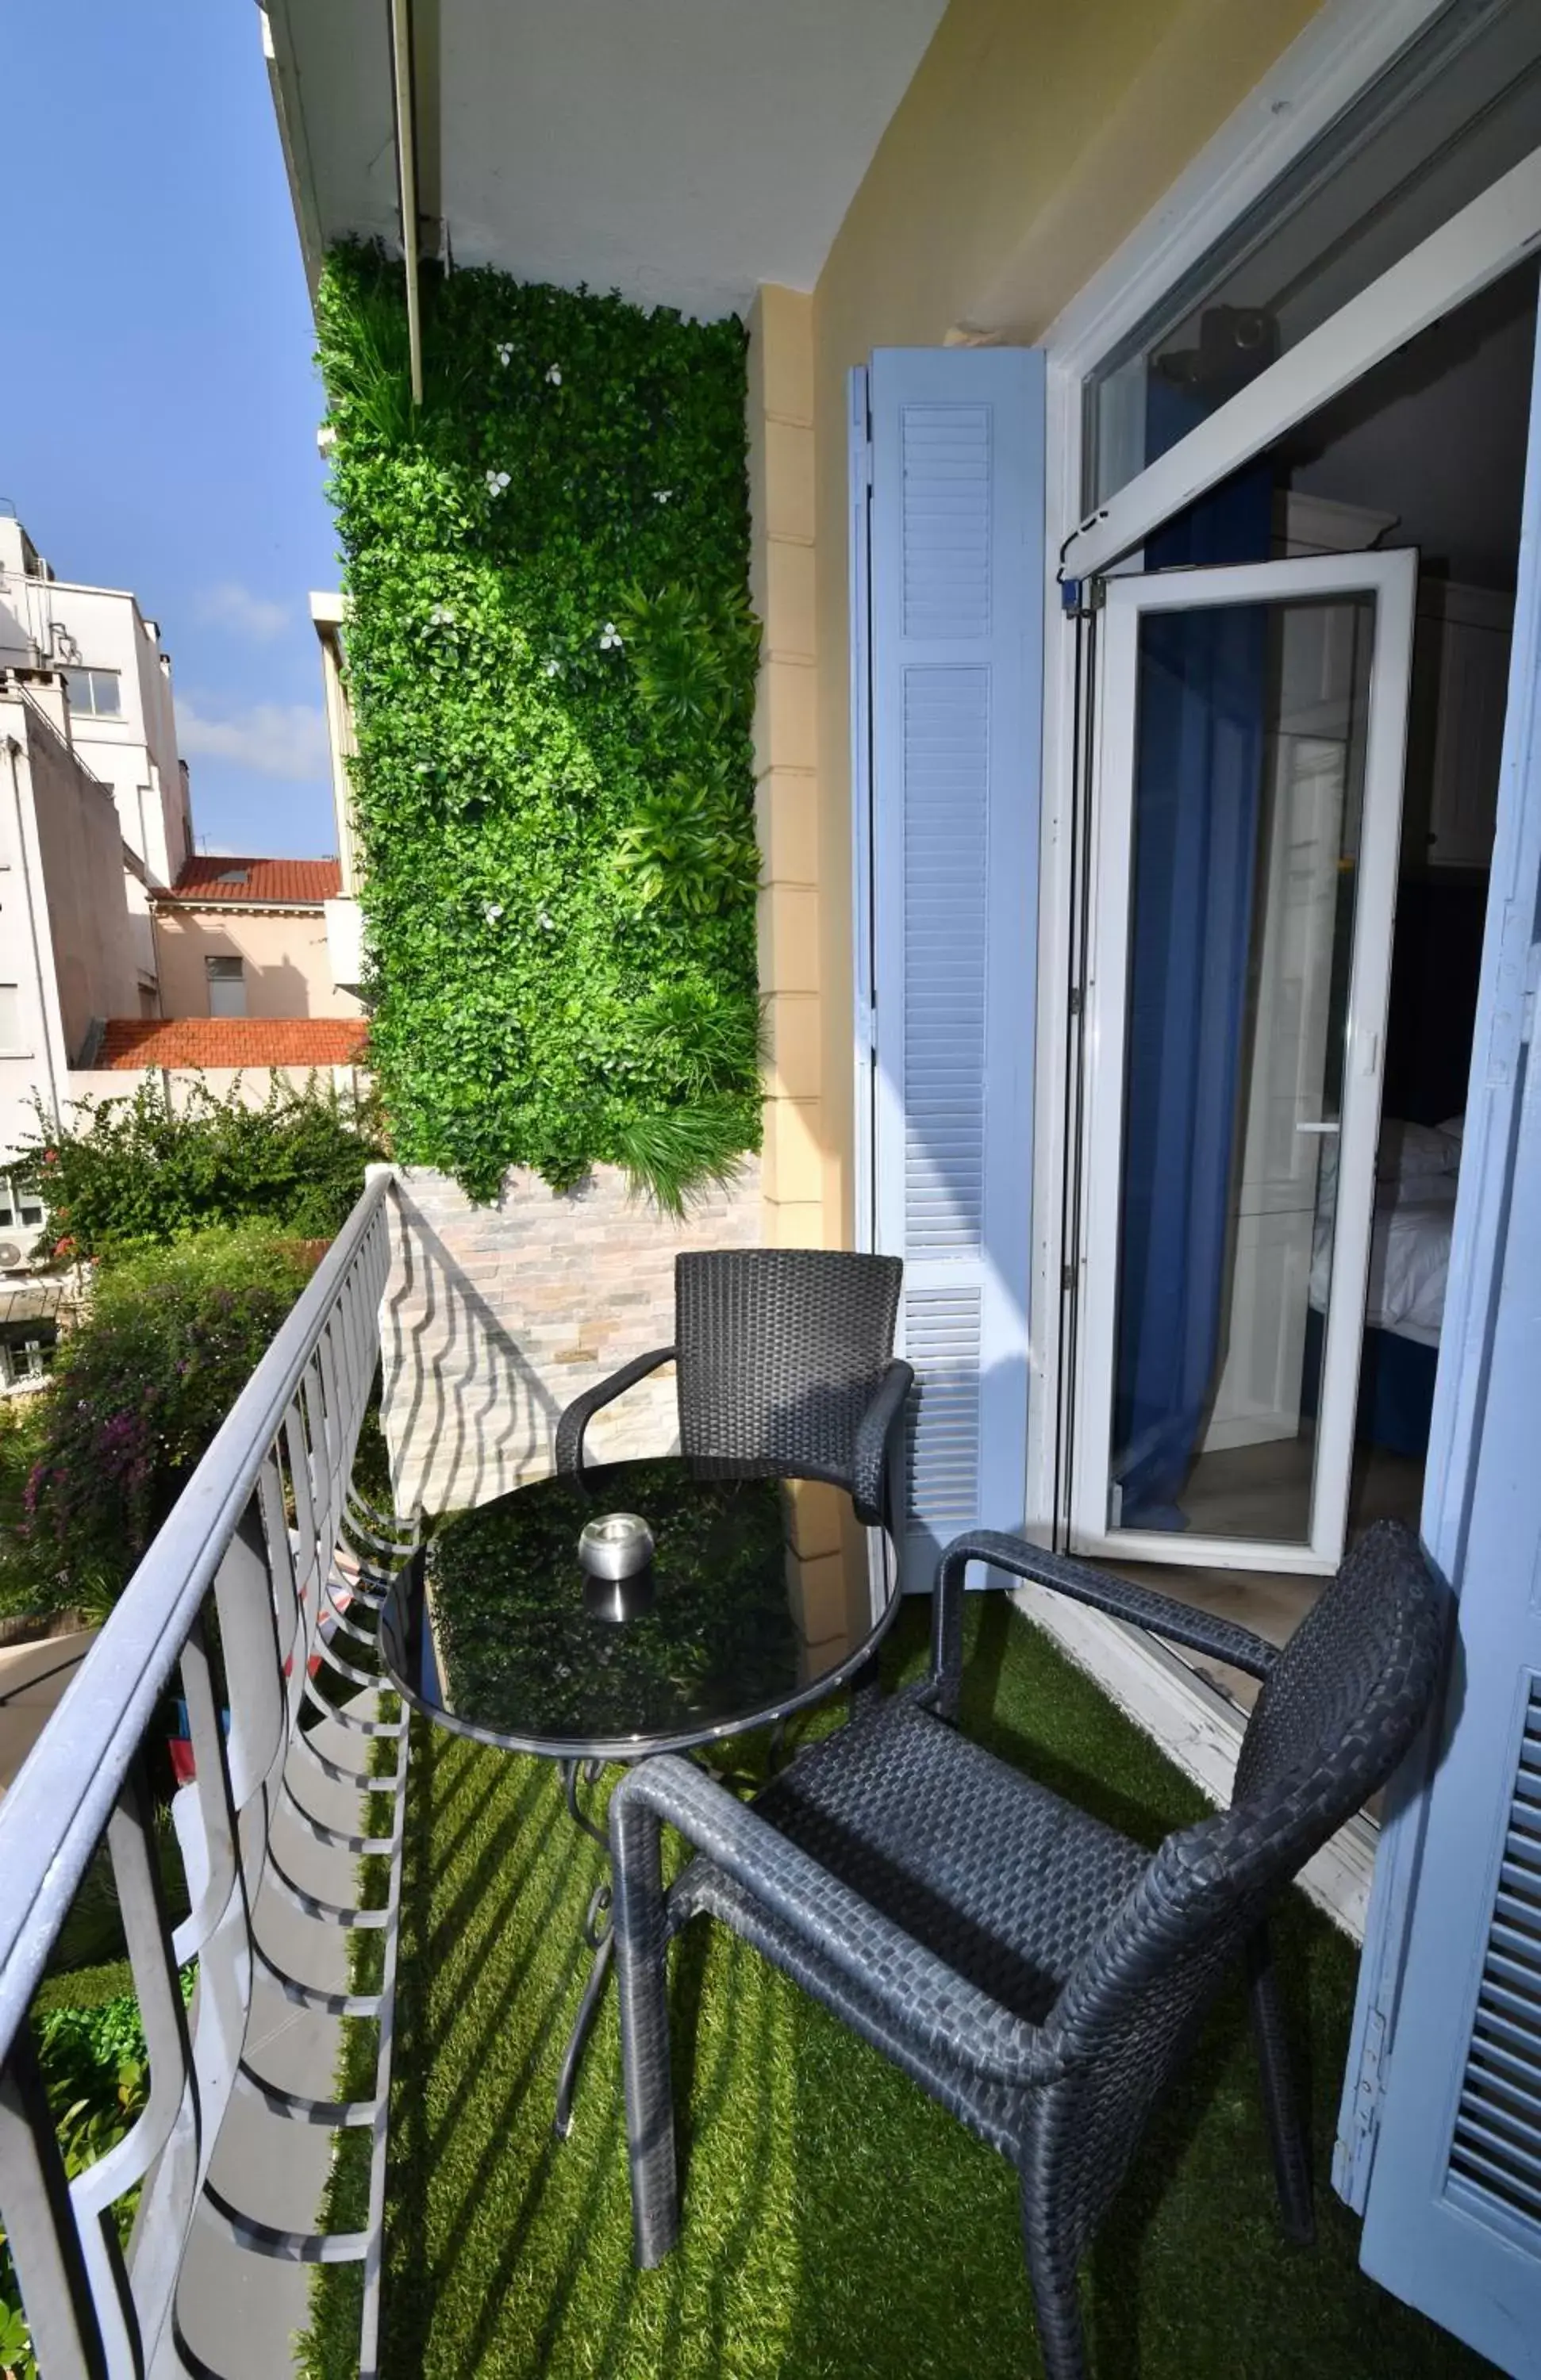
<point x="1496" y="2144"/>
<point x="951" y="675"/>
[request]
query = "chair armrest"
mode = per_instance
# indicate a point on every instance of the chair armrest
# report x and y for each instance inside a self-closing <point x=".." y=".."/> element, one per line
<point x="1162" y="1615"/>
<point x="869" y="1459"/>
<point x="878" y="1957"/>
<point x="576" y="1416"/>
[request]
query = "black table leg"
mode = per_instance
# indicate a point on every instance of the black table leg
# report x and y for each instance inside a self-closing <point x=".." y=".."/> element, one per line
<point x="597" y="1932"/>
<point x="598" y="1936"/>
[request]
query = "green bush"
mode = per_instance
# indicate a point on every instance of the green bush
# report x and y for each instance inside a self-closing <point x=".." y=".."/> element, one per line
<point x="552" y="663"/>
<point x="95" y="2072"/>
<point x="168" y="1340"/>
<point x="135" y="1171"/>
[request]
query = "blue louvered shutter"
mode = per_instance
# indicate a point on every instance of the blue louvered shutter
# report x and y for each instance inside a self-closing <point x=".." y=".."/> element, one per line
<point x="1453" y="2216"/>
<point x="948" y="720"/>
<point x="1449" y="2033"/>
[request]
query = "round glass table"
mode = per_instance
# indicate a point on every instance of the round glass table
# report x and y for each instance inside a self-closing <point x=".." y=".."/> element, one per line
<point x="735" y="1607"/>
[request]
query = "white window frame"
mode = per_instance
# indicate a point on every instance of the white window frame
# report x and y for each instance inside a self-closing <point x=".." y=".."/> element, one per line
<point x="227" y="967"/>
<point x="1390" y="580"/>
<point x="19" y="1370"/>
<point x="21" y="1047"/>
<point x="14" y="1187"/>
<point x="82" y="669"/>
<point x="1339" y="55"/>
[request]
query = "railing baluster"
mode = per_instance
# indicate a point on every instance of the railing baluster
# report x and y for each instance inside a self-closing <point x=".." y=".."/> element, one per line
<point x="243" y="1599"/>
<point x="40" y="2224"/>
<point x="281" y="1575"/>
<point x="329" y="1374"/>
<point x="164" y="2142"/>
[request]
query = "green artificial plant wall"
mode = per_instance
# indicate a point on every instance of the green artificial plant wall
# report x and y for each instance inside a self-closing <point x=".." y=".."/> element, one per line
<point x="552" y="663"/>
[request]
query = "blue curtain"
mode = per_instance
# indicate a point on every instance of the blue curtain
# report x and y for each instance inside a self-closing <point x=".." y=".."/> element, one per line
<point x="1202" y="687"/>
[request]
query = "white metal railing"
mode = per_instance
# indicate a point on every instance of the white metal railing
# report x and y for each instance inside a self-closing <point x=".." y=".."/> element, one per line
<point x="236" y="1603"/>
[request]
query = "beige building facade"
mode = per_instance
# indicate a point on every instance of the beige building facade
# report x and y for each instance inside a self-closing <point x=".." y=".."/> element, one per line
<point x="248" y="938"/>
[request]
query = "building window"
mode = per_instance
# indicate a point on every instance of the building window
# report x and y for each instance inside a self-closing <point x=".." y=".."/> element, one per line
<point x="21" y="1218"/>
<point x="226" y="987"/>
<point x="27" y="1353"/>
<point x="94" y="694"/>
<point x="10" y="1016"/>
<point x="22" y="1207"/>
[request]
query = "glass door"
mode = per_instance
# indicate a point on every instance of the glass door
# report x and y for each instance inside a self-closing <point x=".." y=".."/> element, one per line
<point x="1250" y="731"/>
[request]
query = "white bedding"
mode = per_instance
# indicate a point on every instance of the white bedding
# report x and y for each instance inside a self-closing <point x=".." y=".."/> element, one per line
<point x="1410" y="1253"/>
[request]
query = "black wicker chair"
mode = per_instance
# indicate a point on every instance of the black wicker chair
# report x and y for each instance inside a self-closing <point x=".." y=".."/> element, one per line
<point x="1031" y="1969"/>
<point x="784" y="1369"/>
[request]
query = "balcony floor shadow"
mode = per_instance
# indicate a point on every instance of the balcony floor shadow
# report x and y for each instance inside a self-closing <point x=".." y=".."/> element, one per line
<point x="835" y="2221"/>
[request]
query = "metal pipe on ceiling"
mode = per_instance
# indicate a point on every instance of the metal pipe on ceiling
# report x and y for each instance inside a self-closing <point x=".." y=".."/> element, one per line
<point x="406" y="176"/>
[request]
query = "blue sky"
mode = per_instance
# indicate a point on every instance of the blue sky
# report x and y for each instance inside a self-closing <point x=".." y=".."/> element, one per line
<point x="158" y="425"/>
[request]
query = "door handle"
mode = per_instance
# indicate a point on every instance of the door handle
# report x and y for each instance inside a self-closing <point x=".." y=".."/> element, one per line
<point x="1324" y="1129"/>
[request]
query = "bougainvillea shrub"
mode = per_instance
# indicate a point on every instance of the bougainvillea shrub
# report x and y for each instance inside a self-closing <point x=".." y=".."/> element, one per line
<point x="167" y="1341"/>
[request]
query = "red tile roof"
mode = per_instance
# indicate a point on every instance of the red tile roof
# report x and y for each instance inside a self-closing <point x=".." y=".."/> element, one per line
<point x="130" y="1041"/>
<point x="285" y="882"/>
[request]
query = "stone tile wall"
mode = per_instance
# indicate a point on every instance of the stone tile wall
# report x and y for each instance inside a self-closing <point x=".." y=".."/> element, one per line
<point x="495" y="1317"/>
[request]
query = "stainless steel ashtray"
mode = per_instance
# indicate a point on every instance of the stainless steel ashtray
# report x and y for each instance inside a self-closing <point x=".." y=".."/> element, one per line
<point x="617" y="1547"/>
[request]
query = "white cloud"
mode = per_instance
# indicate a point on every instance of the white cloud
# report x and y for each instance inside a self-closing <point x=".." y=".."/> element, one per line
<point x="231" y="605"/>
<point x="275" y="739"/>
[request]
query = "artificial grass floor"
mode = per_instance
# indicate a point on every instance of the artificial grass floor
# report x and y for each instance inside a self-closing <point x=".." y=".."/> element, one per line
<point x="835" y="2221"/>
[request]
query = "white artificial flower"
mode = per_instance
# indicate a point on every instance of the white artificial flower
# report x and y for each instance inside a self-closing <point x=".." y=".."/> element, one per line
<point x="610" y="639"/>
<point x="506" y="352"/>
<point x="496" y="483"/>
<point x="554" y="667"/>
<point x="492" y="912"/>
<point x="546" y="925"/>
<point x="440" y="616"/>
<point x="553" y="373"/>
<point x="662" y="495"/>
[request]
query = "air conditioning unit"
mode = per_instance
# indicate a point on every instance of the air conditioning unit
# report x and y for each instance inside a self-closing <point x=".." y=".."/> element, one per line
<point x="13" y="1257"/>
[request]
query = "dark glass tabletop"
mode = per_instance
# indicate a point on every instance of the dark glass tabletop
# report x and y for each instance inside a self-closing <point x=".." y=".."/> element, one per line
<point x="745" y="1613"/>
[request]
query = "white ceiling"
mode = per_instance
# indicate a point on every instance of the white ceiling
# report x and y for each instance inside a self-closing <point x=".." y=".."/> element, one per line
<point x="681" y="150"/>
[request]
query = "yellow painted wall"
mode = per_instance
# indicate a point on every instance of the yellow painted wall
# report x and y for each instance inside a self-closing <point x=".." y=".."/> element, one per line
<point x="787" y="782"/>
<point x="1034" y="138"/>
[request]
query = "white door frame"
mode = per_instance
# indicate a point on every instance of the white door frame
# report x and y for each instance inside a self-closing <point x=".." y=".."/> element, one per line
<point x="1341" y="52"/>
<point x="1494" y="231"/>
<point x="1392" y="580"/>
